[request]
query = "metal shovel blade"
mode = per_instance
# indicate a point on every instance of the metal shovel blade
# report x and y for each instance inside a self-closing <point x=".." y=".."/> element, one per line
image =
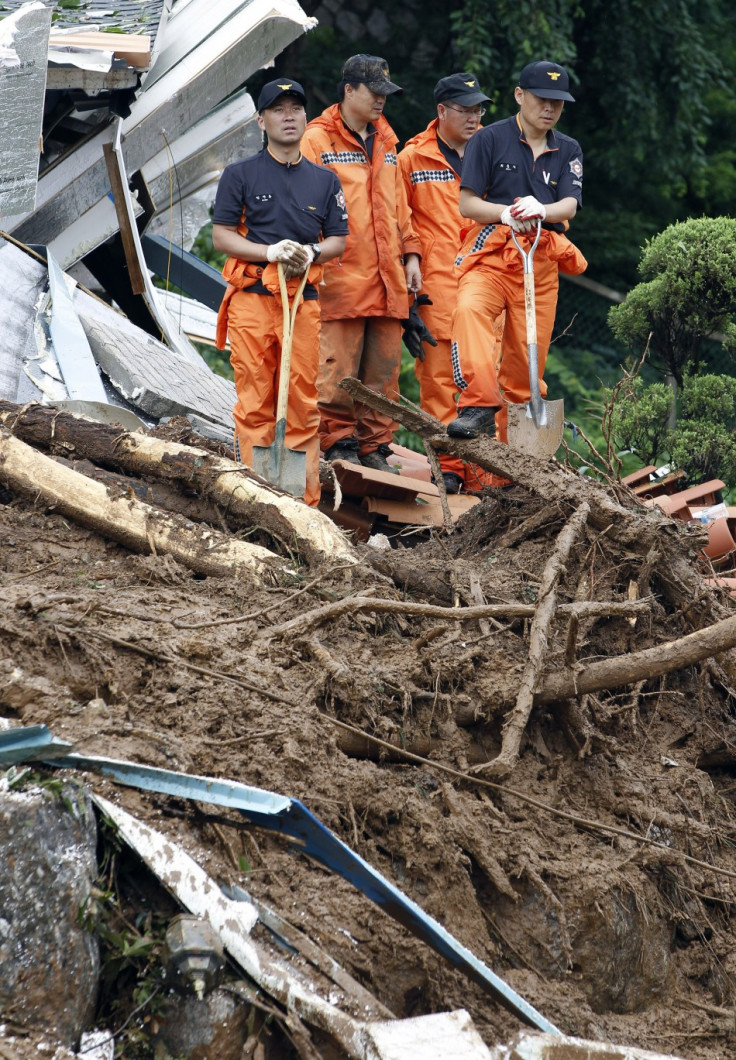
<point x="286" y="468"/>
<point x="536" y="427"/>
<point x="541" y="438"/>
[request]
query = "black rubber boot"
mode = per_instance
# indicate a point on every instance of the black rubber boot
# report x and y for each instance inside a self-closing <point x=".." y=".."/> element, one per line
<point x="453" y="482"/>
<point x="472" y="421"/>
<point x="346" y="449"/>
<point x="377" y="459"/>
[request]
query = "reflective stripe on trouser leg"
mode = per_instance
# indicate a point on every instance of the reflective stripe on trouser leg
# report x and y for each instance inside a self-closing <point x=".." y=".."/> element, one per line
<point x="255" y="329"/>
<point x="369" y="349"/>
<point x="479" y="302"/>
<point x="437" y="390"/>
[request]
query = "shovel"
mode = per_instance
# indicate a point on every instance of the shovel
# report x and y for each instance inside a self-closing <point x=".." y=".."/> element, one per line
<point x="535" y="428"/>
<point x="284" y="467"/>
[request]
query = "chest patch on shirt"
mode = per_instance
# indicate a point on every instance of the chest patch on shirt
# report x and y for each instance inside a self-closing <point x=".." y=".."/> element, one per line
<point x="264" y="196"/>
<point x="508" y="167"/>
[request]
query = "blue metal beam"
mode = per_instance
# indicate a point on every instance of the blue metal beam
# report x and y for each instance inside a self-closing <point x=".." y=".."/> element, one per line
<point x="291" y="818"/>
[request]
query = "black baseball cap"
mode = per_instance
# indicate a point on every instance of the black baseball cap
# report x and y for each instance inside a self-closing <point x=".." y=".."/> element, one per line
<point x="284" y="86"/>
<point x="372" y="71"/>
<point x="547" y="80"/>
<point x="461" y="88"/>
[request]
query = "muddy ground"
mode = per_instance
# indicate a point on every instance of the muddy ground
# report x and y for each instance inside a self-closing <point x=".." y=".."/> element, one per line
<point x="609" y="937"/>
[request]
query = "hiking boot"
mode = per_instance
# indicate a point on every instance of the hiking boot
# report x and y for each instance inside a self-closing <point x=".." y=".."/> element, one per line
<point x="472" y="421"/>
<point x="345" y="449"/>
<point x="377" y="459"/>
<point x="453" y="482"/>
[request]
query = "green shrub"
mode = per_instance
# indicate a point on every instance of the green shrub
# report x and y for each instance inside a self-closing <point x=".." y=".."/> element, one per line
<point x="688" y="293"/>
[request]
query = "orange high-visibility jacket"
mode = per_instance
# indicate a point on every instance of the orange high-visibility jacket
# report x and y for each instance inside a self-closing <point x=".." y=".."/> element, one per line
<point x="369" y="280"/>
<point x="433" y="192"/>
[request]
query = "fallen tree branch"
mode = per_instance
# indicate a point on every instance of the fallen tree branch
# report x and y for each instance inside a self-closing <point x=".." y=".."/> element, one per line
<point x="353" y="605"/>
<point x="132" y="523"/>
<point x="515" y="725"/>
<point x="643" y="531"/>
<point x="223" y="481"/>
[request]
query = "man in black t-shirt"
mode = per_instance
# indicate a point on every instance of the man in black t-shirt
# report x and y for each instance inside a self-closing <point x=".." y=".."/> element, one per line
<point x="515" y="172"/>
<point x="276" y="207"/>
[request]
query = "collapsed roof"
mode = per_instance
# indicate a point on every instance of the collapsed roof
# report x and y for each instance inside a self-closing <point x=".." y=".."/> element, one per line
<point x="116" y="125"/>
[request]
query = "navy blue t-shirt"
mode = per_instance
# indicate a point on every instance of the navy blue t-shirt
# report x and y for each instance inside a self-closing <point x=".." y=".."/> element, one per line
<point x="279" y="200"/>
<point x="499" y="165"/>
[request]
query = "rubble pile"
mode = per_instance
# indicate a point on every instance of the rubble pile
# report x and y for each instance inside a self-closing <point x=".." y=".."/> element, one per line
<point x="524" y="721"/>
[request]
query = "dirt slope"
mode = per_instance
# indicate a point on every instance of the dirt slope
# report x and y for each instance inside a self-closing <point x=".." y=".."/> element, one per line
<point x="609" y="937"/>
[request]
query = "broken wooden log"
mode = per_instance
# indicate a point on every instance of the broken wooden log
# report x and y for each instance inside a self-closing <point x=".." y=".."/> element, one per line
<point x="616" y="672"/>
<point x="134" y="524"/>
<point x="226" y="483"/>
<point x="514" y="726"/>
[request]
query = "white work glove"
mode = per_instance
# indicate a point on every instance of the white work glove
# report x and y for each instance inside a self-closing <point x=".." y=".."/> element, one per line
<point x="293" y="268"/>
<point x="528" y="207"/>
<point x="515" y="223"/>
<point x="285" y="250"/>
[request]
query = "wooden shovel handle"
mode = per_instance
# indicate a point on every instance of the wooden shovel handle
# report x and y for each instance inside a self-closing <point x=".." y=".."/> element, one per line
<point x="282" y="398"/>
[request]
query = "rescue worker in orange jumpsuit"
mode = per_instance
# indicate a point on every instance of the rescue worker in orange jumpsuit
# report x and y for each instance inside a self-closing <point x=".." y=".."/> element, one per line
<point x="270" y="208"/>
<point x="515" y="171"/>
<point x="431" y="166"/>
<point x="365" y="294"/>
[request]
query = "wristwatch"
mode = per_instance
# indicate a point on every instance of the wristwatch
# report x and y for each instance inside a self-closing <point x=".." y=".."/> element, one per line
<point x="317" y="250"/>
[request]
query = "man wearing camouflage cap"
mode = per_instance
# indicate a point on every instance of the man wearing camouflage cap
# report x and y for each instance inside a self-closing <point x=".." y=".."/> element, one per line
<point x="365" y="293"/>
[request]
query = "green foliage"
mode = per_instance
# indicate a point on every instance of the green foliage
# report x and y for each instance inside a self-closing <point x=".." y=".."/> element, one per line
<point x="640" y="418"/>
<point x="218" y="360"/>
<point x="689" y="291"/>
<point x="131" y="938"/>
<point x="203" y="248"/>
<point x="704" y="451"/>
<point x="409" y="388"/>
<point x="703" y="441"/>
<point x="711" y="398"/>
<point x="496" y="40"/>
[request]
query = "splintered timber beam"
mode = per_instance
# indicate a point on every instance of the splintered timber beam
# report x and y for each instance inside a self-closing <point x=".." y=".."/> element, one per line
<point x="134" y="524"/>
<point x="222" y="481"/>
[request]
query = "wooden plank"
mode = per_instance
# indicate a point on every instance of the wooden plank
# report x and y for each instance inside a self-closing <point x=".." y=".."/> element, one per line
<point x="137" y="282"/>
<point x="135" y="49"/>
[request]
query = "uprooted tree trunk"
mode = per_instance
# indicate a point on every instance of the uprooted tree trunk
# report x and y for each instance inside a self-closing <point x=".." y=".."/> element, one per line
<point x="668" y="545"/>
<point x="244" y="499"/>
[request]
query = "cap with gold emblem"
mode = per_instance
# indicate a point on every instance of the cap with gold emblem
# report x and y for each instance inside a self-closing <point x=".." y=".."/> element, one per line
<point x="547" y="80"/>
<point x="460" y="88"/>
<point x="372" y="71"/>
<point x="284" y="86"/>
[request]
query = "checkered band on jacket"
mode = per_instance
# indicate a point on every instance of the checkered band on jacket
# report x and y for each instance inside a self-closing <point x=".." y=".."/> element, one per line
<point x="479" y="242"/>
<point x="331" y="158"/>
<point x="424" y="176"/>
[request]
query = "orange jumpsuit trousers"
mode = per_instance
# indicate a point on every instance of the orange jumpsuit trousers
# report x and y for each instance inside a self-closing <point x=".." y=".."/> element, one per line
<point x="494" y="284"/>
<point x="437" y="390"/>
<point x="255" y="328"/>
<point x="368" y="348"/>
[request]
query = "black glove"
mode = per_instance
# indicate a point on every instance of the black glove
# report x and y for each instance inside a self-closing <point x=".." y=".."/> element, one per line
<point x="415" y="330"/>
